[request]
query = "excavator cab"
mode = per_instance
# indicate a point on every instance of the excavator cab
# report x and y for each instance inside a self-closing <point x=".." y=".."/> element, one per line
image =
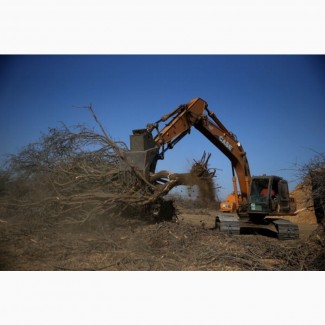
<point x="268" y="195"/>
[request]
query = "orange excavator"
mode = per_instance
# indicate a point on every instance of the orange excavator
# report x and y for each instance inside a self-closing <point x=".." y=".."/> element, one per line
<point x="261" y="201"/>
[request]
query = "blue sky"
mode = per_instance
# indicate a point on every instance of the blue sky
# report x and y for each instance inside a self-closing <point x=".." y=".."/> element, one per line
<point x="275" y="104"/>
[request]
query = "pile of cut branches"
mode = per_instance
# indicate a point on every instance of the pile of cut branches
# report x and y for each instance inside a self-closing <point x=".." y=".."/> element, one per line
<point x="75" y="172"/>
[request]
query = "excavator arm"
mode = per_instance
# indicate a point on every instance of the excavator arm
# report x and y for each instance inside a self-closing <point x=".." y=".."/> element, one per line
<point x="196" y="113"/>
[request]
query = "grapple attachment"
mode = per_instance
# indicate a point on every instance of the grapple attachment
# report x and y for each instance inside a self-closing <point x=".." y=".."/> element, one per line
<point x="142" y="155"/>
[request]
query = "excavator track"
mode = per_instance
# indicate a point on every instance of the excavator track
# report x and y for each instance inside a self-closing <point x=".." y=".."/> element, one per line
<point x="286" y="229"/>
<point x="228" y="224"/>
<point x="232" y="224"/>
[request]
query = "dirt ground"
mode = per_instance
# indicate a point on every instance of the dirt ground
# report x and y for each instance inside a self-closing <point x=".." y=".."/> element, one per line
<point x="122" y="243"/>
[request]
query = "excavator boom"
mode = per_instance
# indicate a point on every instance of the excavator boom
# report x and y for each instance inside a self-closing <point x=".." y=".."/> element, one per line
<point x="196" y="113"/>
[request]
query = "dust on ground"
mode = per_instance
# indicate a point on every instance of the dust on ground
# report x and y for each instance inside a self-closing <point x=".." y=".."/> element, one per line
<point x="122" y="243"/>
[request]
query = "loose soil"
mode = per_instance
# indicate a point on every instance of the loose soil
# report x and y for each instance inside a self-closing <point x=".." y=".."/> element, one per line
<point x="123" y="243"/>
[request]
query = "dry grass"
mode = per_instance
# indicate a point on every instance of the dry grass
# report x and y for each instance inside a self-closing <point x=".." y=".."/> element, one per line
<point x="127" y="243"/>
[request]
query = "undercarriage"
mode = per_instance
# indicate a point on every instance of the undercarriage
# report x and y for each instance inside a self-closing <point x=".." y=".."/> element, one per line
<point x="233" y="224"/>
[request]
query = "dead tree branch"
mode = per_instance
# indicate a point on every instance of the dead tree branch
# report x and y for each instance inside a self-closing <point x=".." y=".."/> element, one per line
<point x="78" y="171"/>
